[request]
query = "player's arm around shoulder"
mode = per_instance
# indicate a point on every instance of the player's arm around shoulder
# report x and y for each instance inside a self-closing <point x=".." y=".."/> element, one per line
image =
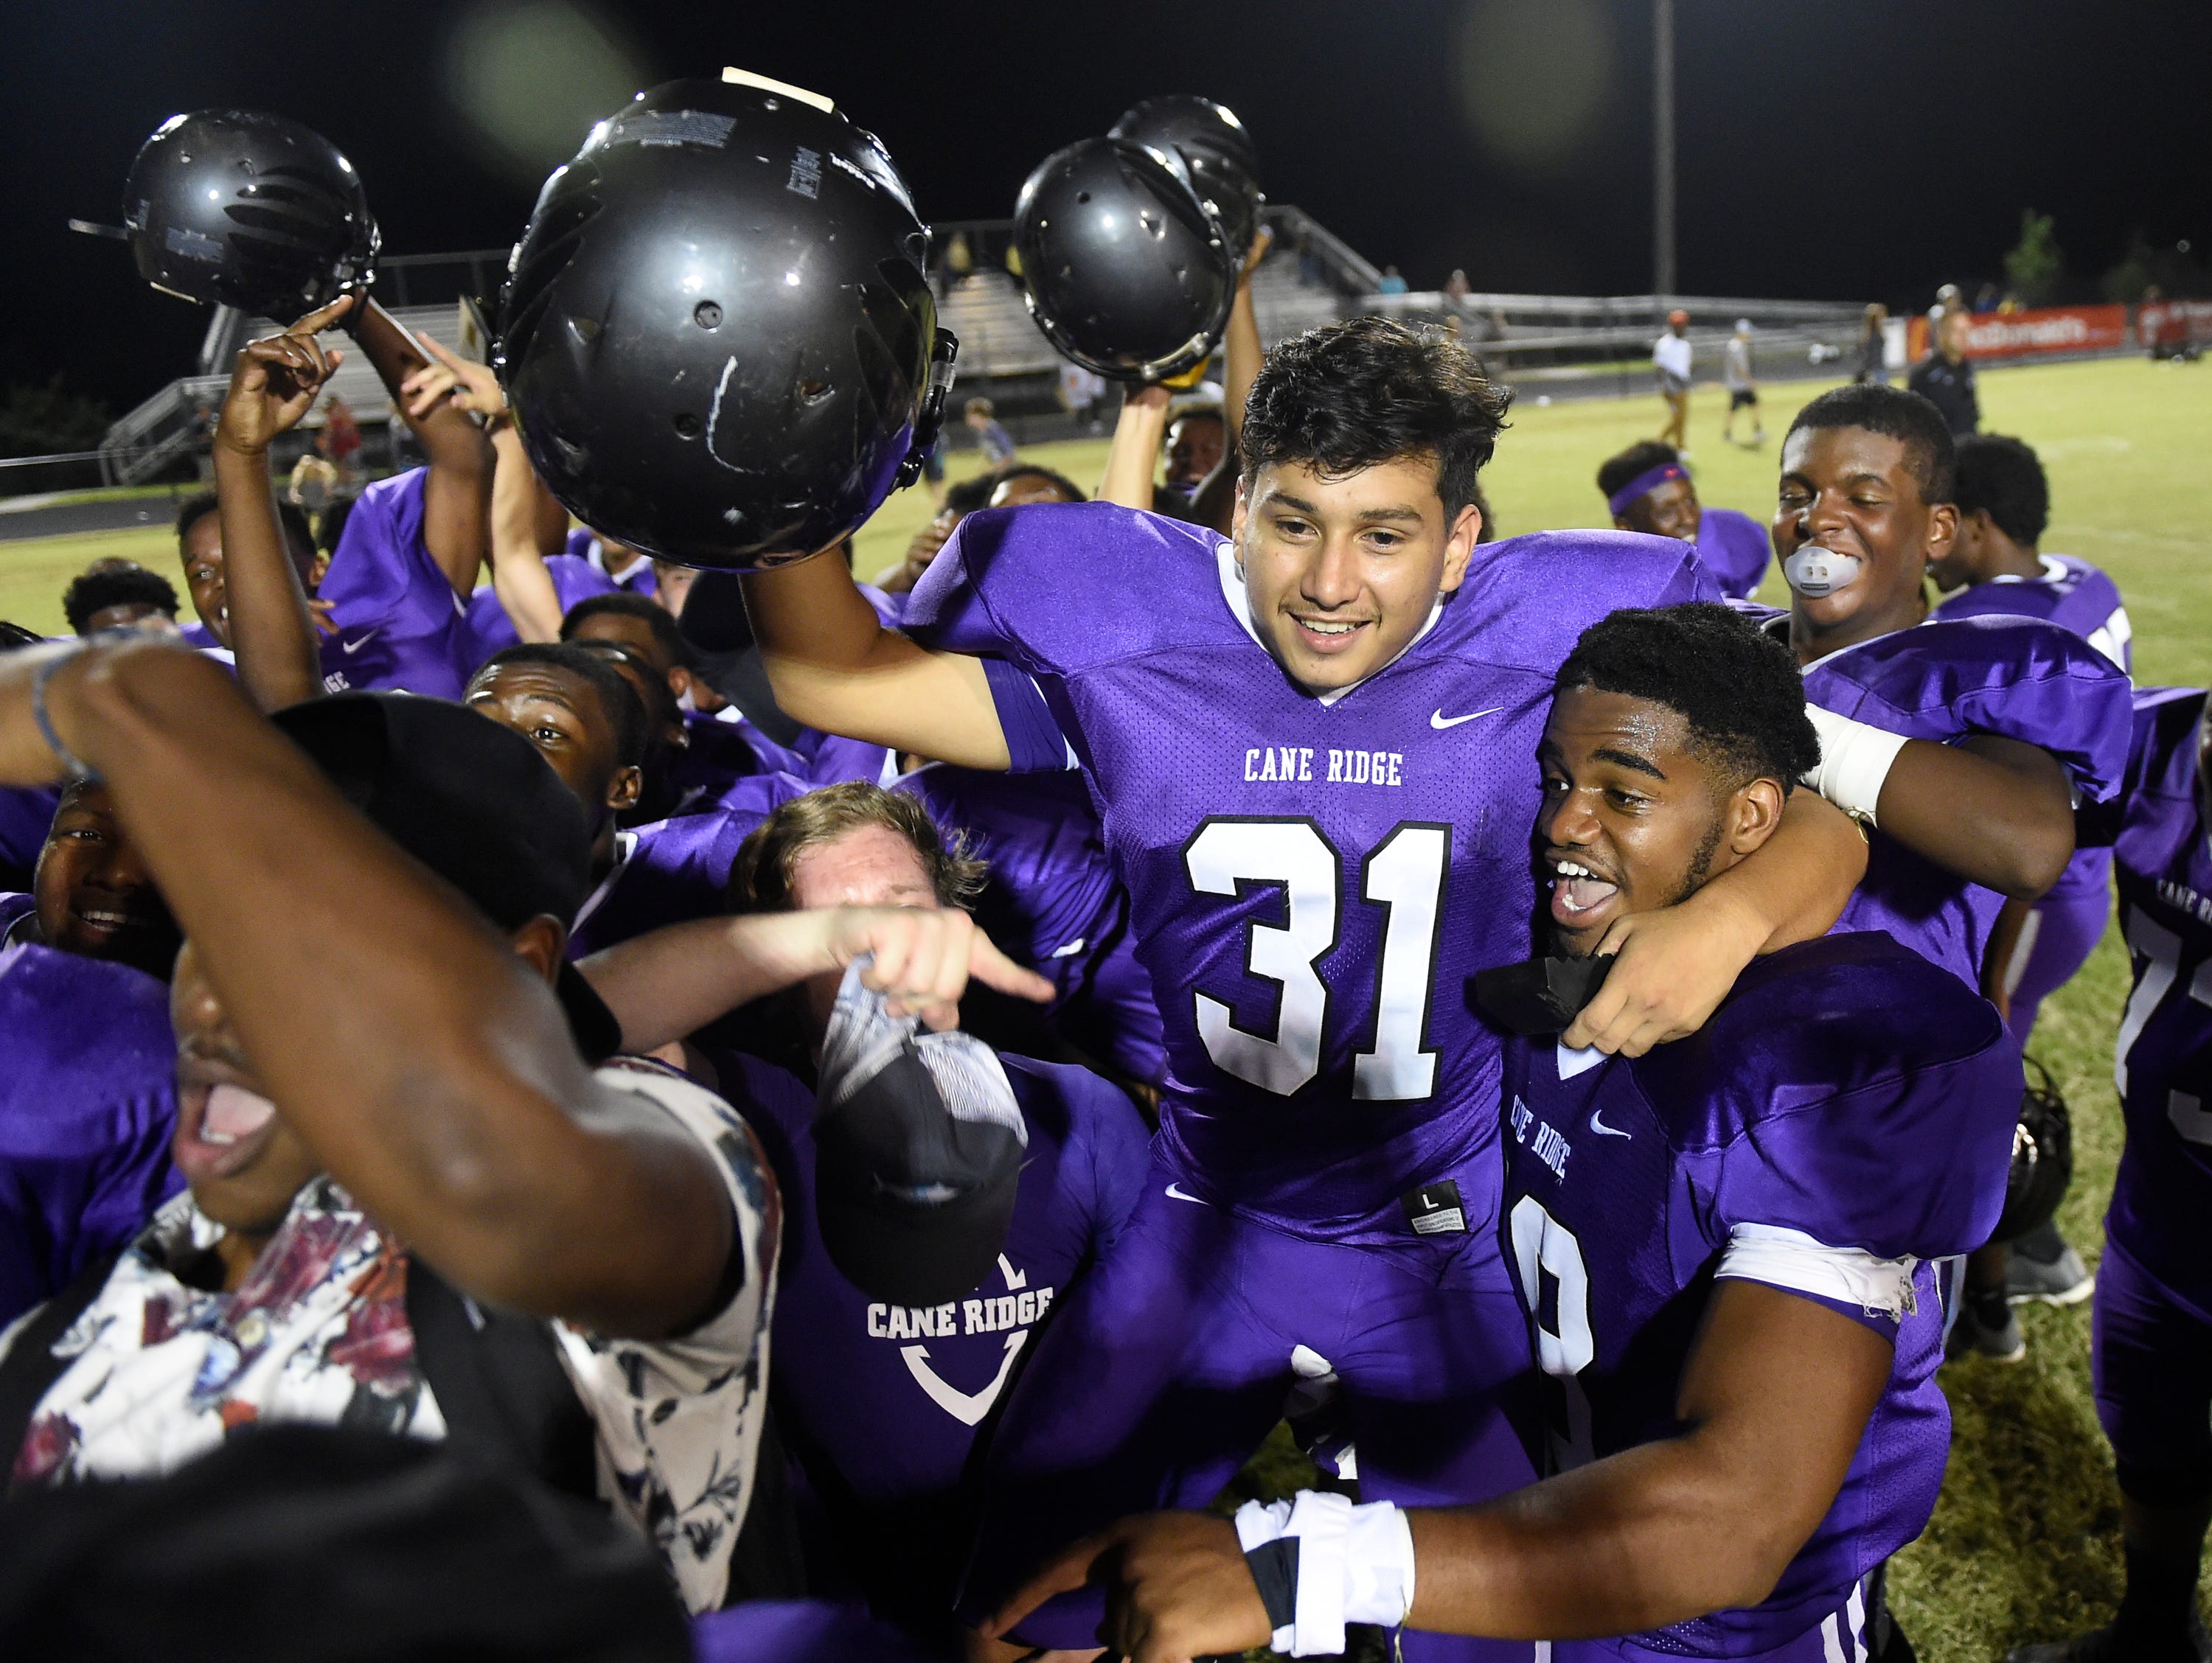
<point x="1672" y="967"/>
<point x="834" y="666"/>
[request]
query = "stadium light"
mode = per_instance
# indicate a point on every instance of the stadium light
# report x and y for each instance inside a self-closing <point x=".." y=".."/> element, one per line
<point x="1663" y="149"/>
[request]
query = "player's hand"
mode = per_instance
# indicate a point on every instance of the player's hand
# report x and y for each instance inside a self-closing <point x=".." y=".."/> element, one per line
<point x="1671" y="969"/>
<point x="924" y="958"/>
<point x="274" y="381"/>
<point x="325" y="614"/>
<point x="1178" y="1588"/>
<point x="447" y="380"/>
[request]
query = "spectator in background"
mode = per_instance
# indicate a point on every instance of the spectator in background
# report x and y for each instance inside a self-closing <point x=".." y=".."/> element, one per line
<point x="1080" y="391"/>
<point x="1392" y="283"/>
<point x="1671" y="359"/>
<point x="997" y="445"/>
<point x="1456" y="288"/>
<point x="1873" y="347"/>
<point x="314" y="483"/>
<point x="1742" y="390"/>
<point x="1945" y="377"/>
<point x="120" y="594"/>
<point x="1648" y="489"/>
<point x="341" y="437"/>
<point x="959" y="259"/>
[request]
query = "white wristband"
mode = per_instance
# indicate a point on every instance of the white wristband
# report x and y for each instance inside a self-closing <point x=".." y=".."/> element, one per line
<point x="1355" y="1565"/>
<point x="1855" y="759"/>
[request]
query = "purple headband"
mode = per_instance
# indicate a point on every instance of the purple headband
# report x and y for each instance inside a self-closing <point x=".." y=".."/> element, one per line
<point x="1619" y="500"/>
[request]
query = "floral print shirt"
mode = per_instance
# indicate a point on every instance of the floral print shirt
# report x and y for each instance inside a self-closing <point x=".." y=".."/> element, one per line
<point x="158" y="1369"/>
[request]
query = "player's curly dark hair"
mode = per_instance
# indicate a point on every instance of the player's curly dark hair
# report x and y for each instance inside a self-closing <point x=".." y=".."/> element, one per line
<point x="623" y="603"/>
<point x="120" y="583"/>
<point x="1638" y="459"/>
<point x="760" y="878"/>
<point x="1369" y="391"/>
<point x="625" y="711"/>
<point x="2005" y="478"/>
<point x="1896" y="413"/>
<point x="1736" y="687"/>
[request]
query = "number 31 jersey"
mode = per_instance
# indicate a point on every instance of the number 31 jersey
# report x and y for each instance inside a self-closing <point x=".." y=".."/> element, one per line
<point x="1313" y="881"/>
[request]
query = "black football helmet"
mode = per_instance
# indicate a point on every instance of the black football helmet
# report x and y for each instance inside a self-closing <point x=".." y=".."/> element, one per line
<point x="2042" y="1158"/>
<point x="1122" y="267"/>
<point x="1216" y="149"/>
<point x="249" y="211"/>
<point x="716" y="334"/>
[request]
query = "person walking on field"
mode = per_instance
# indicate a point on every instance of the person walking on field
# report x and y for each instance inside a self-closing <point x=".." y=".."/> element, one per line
<point x="1670" y="356"/>
<point x="1742" y="391"/>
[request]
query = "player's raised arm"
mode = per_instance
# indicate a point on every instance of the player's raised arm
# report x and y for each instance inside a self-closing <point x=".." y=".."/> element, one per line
<point x="1672" y="968"/>
<point x="456" y="494"/>
<point x="1135" y="455"/>
<point x="834" y="666"/>
<point x="273" y="385"/>
<point x="520" y="514"/>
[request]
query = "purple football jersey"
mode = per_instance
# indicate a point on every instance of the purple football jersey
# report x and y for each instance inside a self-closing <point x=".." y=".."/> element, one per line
<point x="638" y="577"/>
<point x="400" y="624"/>
<point x="1735" y="548"/>
<point x="2162" y="1057"/>
<point x="1052" y="903"/>
<point x="2074" y="595"/>
<point x="1764" y="1146"/>
<point x="723" y="754"/>
<point x="88" y="1106"/>
<point x="330" y="651"/>
<point x="674" y="871"/>
<point x="1944" y="680"/>
<point x="1312" y="880"/>
<point x="488" y="629"/>
<point x="26" y="816"/>
<point x="881" y="1402"/>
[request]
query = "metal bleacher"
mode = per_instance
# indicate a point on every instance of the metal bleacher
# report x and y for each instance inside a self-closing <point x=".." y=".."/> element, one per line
<point x="1310" y="276"/>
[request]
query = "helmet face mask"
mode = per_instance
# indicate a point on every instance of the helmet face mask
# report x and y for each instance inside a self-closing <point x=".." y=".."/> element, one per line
<point x="239" y="208"/>
<point x="717" y="335"/>
<point x="1122" y="266"/>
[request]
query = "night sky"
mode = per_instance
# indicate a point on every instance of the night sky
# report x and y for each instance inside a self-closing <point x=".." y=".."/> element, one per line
<point x="1829" y="148"/>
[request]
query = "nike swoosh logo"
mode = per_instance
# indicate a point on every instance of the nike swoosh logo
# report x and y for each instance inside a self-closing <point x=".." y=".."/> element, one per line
<point x="351" y="647"/>
<point x="1176" y="1192"/>
<point x="1439" y="720"/>
<point x="1604" y="1130"/>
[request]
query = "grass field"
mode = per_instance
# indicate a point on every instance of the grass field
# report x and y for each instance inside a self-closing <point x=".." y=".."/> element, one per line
<point x="2025" y="1542"/>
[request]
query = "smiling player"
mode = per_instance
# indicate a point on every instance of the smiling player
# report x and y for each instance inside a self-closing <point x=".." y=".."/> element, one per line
<point x="1723" y="1263"/>
<point x="1306" y="744"/>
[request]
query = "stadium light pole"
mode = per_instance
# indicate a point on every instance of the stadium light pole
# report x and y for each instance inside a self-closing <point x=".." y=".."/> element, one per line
<point x="1663" y="147"/>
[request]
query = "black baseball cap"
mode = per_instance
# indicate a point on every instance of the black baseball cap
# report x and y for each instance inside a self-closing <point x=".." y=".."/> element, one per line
<point x="475" y="803"/>
<point x="918" y="1144"/>
<point x="716" y="626"/>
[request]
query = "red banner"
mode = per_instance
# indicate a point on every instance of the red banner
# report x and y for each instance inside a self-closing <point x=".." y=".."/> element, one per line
<point x="2025" y="334"/>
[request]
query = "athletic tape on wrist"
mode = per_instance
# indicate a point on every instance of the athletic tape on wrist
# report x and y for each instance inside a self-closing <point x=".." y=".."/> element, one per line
<point x="1855" y="760"/>
<point x="1352" y="1564"/>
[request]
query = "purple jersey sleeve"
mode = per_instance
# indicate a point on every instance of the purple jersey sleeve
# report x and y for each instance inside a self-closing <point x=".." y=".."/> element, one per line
<point x="488" y="629"/>
<point x="2016" y="677"/>
<point x="88" y="1106"/>
<point x="400" y="624"/>
<point x="676" y="869"/>
<point x="1735" y="548"/>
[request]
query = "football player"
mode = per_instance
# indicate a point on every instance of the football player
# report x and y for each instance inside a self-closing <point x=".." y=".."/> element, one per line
<point x="1306" y="742"/>
<point x="2150" y="1346"/>
<point x="1721" y="1255"/>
